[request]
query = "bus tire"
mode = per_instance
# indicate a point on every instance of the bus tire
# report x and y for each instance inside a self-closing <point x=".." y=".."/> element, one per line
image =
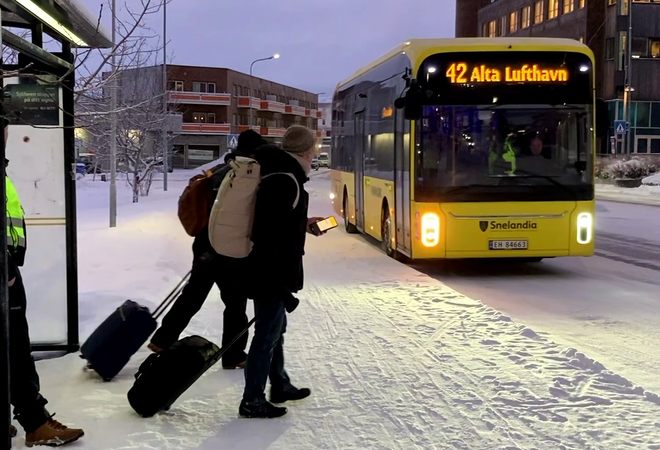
<point x="386" y="235"/>
<point x="350" y="228"/>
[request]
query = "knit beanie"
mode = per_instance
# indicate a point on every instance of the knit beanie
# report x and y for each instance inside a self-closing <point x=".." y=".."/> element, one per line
<point x="248" y="142"/>
<point x="298" y="140"/>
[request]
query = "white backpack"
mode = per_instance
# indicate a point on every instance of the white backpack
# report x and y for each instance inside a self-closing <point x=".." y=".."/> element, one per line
<point x="232" y="215"/>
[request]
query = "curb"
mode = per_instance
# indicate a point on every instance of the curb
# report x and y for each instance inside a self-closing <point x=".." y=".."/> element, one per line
<point x="631" y="201"/>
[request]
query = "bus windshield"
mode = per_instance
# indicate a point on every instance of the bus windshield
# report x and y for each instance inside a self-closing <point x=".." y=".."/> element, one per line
<point x="524" y="152"/>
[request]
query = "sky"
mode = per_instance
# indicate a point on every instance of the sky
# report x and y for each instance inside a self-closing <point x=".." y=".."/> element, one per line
<point x="321" y="42"/>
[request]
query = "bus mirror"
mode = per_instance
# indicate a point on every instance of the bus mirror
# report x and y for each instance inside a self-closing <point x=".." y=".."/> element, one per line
<point x="413" y="106"/>
<point x="602" y="118"/>
<point x="400" y="103"/>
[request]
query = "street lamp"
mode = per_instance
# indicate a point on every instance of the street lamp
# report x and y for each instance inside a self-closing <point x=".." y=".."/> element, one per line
<point x="275" y="56"/>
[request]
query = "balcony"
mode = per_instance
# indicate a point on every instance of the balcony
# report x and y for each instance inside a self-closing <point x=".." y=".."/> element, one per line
<point x="295" y="110"/>
<point x="198" y="98"/>
<point x="249" y="102"/>
<point x="242" y="128"/>
<point x="314" y="113"/>
<point x="205" y="128"/>
<point x="272" y="132"/>
<point x="271" y="106"/>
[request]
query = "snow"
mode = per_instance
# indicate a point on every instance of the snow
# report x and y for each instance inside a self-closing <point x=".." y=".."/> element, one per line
<point x="395" y="358"/>
<point x="653" y="180"/>
<point x="646" y="194"/>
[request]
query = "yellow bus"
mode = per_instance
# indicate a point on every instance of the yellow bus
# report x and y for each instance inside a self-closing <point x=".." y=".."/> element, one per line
<point x="470" y="148"/>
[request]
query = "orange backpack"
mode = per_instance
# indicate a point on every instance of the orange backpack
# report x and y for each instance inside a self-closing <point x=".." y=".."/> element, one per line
<point x="196" y="202"/>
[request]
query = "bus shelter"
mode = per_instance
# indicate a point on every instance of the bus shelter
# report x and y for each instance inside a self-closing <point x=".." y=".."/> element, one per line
<point x="38" y="98"/>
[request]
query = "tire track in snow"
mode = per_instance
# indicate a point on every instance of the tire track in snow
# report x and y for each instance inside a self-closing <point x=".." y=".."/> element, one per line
<point x="442" y="368"/>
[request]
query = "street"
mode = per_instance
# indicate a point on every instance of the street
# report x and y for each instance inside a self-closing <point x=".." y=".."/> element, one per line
<point x="608" y="305"/>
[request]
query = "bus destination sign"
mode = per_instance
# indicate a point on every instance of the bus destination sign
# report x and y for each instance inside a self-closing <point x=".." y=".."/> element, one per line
<point x="463" y="73"/>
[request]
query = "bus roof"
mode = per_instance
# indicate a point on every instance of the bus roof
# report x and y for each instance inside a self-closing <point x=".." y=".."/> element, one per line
<point x="420" y="49"/>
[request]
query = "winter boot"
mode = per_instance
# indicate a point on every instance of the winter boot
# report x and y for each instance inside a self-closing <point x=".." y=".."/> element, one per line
<point x="263" y="410"/>
<point x="154" y="348"/>
<point x="53" y="434"/>
<point x="12" y="431"/>
<point x="290" y="394"/>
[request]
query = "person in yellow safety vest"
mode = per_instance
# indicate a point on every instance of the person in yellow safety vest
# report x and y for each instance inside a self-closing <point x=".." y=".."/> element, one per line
<point x="29" y="405"/>
<point x="509" y="154"/>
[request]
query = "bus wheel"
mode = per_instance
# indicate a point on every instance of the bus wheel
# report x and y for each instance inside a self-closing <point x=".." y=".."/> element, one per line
<point x="350" y="228"/>
<point x="386" y="235"/>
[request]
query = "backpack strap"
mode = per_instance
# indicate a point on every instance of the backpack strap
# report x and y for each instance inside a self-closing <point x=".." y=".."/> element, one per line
<point x="295" y="203"/>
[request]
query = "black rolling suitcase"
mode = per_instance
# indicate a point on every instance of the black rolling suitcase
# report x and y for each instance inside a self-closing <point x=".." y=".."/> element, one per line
<point x="163" y="377"/>
<point x="120" y="336"/>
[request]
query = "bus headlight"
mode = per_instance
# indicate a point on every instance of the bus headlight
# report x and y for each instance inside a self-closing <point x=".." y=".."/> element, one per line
<point x="430" y="230"/>
<point x="584" y="228"/>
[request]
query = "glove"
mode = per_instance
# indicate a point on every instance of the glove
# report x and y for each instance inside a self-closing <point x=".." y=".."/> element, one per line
<point x="290" y="303"/>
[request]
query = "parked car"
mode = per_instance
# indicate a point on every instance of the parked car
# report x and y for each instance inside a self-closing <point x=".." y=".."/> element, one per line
<point x="315" y="164"/>
<point x="324" y="160"/>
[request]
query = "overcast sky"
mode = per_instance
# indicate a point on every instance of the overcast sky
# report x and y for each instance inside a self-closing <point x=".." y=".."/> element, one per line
<point x="321" y="41"/>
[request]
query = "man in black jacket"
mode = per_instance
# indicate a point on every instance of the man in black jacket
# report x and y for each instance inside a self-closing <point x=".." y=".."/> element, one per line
<point x="276" y="260"/>
<point x="208" y="268"/>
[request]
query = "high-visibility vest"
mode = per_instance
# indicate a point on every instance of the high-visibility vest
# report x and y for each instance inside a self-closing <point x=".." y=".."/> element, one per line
<point x="15" y="219"/>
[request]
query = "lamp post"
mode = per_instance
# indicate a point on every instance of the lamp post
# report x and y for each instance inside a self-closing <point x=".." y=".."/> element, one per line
<point x="164" y="131"/>
<point x="627" y="93"/>
<point x="275" y="56"/>
<point x="113" y="122"/>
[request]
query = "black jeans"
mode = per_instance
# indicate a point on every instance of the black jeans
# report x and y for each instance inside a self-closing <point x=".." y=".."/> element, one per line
<point x="266" y="357"/>
<point x="29" y="405"/>
<point x="206" y="271"/>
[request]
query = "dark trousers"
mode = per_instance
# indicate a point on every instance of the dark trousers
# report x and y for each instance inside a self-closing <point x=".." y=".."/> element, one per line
<point x="29" y="405"/>
<point x="266" y="357"/>
<point x="205" y="272"/>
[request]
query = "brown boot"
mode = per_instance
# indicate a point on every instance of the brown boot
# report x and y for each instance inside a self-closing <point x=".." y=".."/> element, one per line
<point x="154" y="348"/>
<point x="12" y="431"/>
<point x="53" y="434"/>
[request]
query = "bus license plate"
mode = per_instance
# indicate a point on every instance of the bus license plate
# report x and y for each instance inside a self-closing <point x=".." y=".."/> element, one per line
<point x="507" y="245"/>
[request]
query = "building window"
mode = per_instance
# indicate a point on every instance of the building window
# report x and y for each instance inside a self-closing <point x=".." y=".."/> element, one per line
<point x="622" y="51"/>
<point x="538" y="12"/>
<point x="569" y="5"/>
<point x="609" y="49"/>
<point x="234" y="120"/>
<point x="513" y="22"/>
<point x="526" y="17"/>
<point x="553" y="9"/>
<point x="484" y="30"/>
<point x="581" y="39"/>
<point x="611" y="2"/>
<point x="210" y="88"/>
<point x="177" y="85"/>
<point x="654" y="48"/>
<point x="502" y="30"/>
<point x="199" y="86"/>
<point x="210" y="118"/>
<point x="581" y="4"/>
<point x="235" y="91"/>
<point x="492" y="32"/>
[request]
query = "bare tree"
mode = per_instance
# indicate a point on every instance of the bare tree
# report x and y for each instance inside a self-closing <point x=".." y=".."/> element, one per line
<point x="140" y="113"/>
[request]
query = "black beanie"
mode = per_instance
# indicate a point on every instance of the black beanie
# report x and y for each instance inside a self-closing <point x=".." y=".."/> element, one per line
<point x="248" y="142"/>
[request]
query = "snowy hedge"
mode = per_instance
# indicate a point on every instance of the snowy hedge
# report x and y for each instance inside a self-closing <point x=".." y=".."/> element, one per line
<point x="633" y="168"/>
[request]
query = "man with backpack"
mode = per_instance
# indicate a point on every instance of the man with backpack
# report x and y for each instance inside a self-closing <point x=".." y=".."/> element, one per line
<point x="209" y="267"/>
<point x="276" y="263"/>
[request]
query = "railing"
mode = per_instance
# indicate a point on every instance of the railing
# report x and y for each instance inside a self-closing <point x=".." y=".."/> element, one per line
<point x="199" y="98"/>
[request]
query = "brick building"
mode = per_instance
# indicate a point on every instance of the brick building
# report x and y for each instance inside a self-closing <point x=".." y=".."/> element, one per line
<point x="215" y="103"/>
<point x="602" y="25"/>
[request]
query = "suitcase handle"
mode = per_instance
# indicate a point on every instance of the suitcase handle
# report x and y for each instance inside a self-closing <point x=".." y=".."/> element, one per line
<point x="171" y="297"/>
<point x="224" y="349"/>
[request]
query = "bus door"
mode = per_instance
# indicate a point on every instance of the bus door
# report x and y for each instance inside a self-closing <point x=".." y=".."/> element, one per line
<point x="401" y="184"/>
<point x="360" y="146"/>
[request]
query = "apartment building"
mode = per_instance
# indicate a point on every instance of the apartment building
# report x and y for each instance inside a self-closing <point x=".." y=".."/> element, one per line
<point x="603" y="26"/>
<point x="216" y="104"/>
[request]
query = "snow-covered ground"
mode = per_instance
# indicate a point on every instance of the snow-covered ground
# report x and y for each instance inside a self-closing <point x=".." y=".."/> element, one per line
<point x="395" y="358"/>
<point x="646" y="194"/>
